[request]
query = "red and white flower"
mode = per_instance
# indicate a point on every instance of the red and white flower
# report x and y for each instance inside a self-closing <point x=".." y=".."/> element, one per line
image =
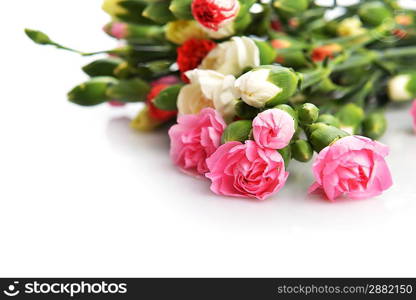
<point x="214" y="14"/>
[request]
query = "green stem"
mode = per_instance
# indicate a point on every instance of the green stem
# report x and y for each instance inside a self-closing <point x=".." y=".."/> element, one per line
<point x="360" y="60"/>
<point x="397" y="52"/>
<point x="312" y="78"/>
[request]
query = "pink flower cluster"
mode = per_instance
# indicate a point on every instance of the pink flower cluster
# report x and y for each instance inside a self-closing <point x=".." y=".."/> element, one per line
<point x="353" y="166"/>
<point x="253" y="169"/>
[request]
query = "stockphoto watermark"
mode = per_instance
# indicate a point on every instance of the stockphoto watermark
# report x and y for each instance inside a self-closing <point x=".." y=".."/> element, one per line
<point x="63" y="287"/>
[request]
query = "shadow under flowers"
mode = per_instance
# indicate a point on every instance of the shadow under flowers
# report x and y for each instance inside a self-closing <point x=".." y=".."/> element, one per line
<point x="127" y="139"/>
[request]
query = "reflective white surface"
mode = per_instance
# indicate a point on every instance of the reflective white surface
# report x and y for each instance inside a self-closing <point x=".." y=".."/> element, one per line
<point x="81" y="194"/>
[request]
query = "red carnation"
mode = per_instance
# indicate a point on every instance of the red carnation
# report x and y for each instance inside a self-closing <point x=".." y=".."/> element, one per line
<point x="191" y="53"/>
<point x="211" y="13"/>
<point x="154" y="112"/>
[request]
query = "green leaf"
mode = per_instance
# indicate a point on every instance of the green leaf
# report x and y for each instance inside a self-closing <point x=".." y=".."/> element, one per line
<point x="166" y="100"/>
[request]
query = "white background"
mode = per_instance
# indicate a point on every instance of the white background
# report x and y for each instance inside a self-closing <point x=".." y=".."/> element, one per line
<point x="81" y="194"/>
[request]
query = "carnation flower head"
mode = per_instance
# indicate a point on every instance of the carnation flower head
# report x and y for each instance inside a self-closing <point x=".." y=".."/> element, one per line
<point x="194" y="139"/>
<point x="354" y="166"/>
<point x="191" y="54"/>
<point x="246" y="170"/>
<point x="213" y="13"/>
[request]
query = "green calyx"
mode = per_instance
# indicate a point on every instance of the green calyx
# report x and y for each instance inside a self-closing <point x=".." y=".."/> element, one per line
<point x="302" y="150"/>
<point x="329" y="120"/>
<point x="129" y="90"/>
<point x="307" y="113"/>
<point x="321" y="135"/>
<point x="181" y="9"/>
<point x="92" y="92"/>
<point x="286" y="154"/>
<point x="267" y="52"/>
<point x="374" y="125"/>
<point x="245" y="111"/>
<point x="411" y="85"/>
<point x="38" y="37"/>
<point x="290" y="111"/>
<point x="159" y="12"/>
<point x="102" y="67"/>
<point x="286" y="79"/>
<point x="351" y="116"/>
<point x="166" y="99"/>
<point x="237" y="131"/>
<point x="375" y="13"/>
<point x="292" y="7"/>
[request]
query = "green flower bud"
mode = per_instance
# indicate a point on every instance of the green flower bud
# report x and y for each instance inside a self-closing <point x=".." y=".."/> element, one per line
<point x="267" y="52"/>
<point x="290" y="111"/>
<point x="291" y="58"/>
<point x="292" y="7"/>
<point x="302" y="151"/>
<point x="159" y="12"/>
<point x="181" y="9"/>
<point x="38" y="37"/>
<point x="375" y="125"/>
<point x="267" y="85"/>
<point x="92" y="92"/>
<point x="286" y="154"/>
<point x="144" y="121"/>
<point x="102" y="67"/>
<point x="245" y="111"/>
<point x="126" y="10"/>
<point x="322" y="135"/>
<point x="402" y="87"/>
<point x="375" y="13"/>
<point x="124" y="70"/>
<point x="329" y="120"/>
<point x="308" y="113"/>
<point x="135" y="33"/>
<point x="351" y="116"/>
<point x="129" y="90"/>
<point x="242" y="22"/>
<point x="237" y="131"/>
<point x="166" y="99"/>
<point x="148" y="70"/>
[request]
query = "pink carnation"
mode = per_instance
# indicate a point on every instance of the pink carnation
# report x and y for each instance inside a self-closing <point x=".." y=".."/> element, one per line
<point x="195" y="138"/>
<point x="246" y="170"/>
<point x="353" y="166"/>
<point x="273" y="128"/>
<point x="413" y="113"/>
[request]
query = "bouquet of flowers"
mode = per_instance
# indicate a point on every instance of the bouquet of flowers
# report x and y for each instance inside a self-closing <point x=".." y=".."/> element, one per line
<point x="255" y="84"/>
